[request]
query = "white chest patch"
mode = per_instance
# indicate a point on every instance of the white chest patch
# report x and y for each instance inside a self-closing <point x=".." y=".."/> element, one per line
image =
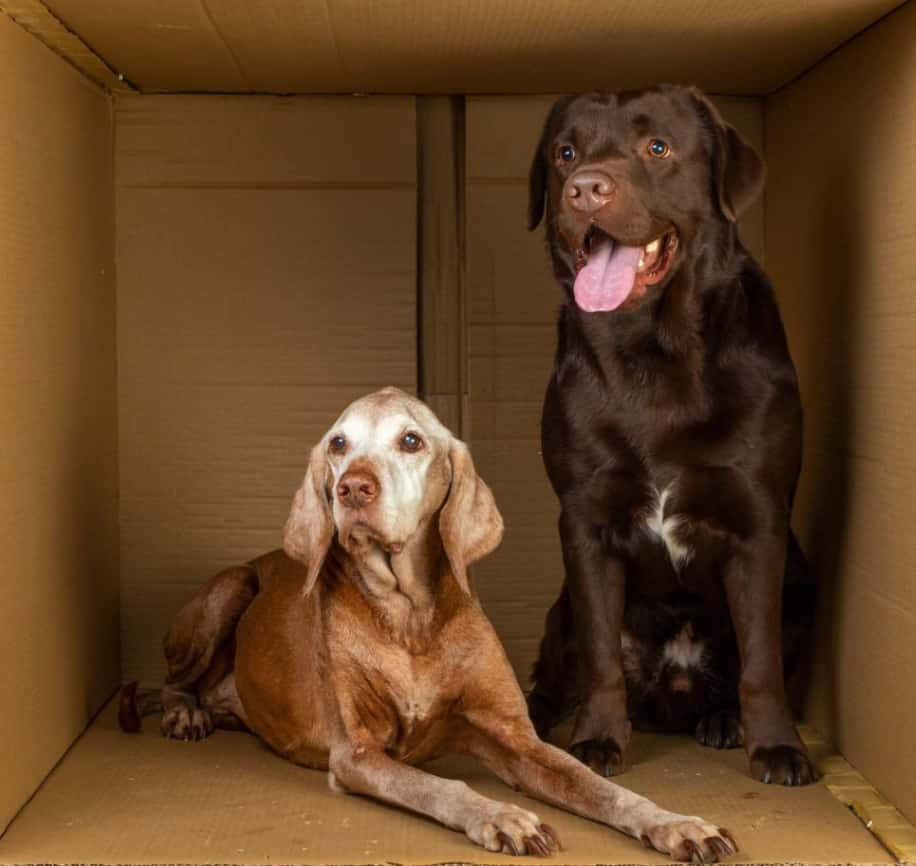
<point x="665" y="527"/>
<point x="683" y="650"/>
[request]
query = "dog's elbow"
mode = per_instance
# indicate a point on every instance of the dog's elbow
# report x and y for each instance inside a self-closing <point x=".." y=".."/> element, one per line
<point x="350" y="767"/>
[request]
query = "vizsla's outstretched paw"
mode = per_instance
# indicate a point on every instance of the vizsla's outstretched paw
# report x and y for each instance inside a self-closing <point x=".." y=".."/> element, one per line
<point x="185" y="722"/>
<point x="691" y="840"/>
<point x="507" y="829"/>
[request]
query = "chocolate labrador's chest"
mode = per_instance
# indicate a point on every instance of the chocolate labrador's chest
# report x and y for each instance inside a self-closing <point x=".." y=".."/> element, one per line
<point x="675" y="524"/>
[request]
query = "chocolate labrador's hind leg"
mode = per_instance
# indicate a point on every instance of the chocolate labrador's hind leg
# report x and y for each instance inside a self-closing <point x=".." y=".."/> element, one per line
<point x="198" y="662"/>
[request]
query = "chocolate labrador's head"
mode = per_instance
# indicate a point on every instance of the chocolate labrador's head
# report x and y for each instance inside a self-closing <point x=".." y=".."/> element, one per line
<point x="384" y="474"/>
<point x="636" y="186"/>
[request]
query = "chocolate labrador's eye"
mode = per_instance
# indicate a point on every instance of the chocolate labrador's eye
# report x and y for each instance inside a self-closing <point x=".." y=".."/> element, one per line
<point x="411" y="442"/>
<point x="566" y="153"/>
<point x="659" y="148"/>
<point x="337" y="444"/>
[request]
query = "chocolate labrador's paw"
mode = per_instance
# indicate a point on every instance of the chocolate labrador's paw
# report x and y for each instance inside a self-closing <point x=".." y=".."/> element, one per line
<point x="507" y="829"/>
<point x="185" y="722"/>
<point x="543" y="713"/>
<point x="783" y="765"/>
<point x="603" y="756"/>
<point x="691" y="840"/>
<point x="720" y="730"/>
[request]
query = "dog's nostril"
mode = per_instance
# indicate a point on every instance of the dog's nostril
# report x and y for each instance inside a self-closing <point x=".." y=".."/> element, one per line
<point x="357" y="489"/>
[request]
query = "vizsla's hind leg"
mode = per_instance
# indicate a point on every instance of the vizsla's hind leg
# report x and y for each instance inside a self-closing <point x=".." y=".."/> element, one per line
<point x="198" y="651"/>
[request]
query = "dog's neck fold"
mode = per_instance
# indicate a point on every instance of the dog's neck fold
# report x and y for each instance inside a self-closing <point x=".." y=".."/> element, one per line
<point x="403" y="589"/>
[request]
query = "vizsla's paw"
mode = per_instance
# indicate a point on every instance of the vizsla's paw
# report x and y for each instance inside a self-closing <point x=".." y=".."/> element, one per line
<point x="783" y="765"/>
<point x="185" y="722"/>
<point x="691" y="840"/>
<point x="720" y="730"/>
<point x="507" y="829"/>
<point x="603" y="756"/>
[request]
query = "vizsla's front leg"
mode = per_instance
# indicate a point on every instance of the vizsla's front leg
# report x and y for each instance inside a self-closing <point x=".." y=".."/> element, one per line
<point x="516" y="755"/>
<point x="499" y="827"/>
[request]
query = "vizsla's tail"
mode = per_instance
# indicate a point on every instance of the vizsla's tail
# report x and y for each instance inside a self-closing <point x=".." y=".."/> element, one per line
<point x="135" y="704"/>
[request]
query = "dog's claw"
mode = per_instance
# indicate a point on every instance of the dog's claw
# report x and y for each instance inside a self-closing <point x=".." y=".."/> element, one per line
<point x="506" y="844"/>
<point x="551" y="834"/>
<point x="783" y="765"/>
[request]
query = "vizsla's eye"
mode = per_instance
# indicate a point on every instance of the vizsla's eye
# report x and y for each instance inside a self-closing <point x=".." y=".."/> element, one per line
<point x="659" y="148"/>
<point x="411" y="442"/>
<point x="337" y="444"/>
<point x="566" y="153"/>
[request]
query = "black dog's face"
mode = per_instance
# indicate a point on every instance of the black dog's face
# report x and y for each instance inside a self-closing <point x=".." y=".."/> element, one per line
<point x="629" y="181"/>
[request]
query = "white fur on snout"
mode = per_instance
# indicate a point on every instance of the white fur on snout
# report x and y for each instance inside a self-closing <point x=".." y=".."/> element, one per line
<point x="665" y="528"/>
<point x="372" y="440"/>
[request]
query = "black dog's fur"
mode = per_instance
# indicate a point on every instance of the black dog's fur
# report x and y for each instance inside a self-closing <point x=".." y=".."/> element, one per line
<point x="687" y="387"/>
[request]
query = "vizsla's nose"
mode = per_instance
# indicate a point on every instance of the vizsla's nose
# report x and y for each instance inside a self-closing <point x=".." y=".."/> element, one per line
<point x="357" y="489"/>
<point x="589" y="191"/>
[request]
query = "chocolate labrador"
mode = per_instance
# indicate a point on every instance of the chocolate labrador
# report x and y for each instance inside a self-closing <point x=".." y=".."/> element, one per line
<point x="361" y="648"/>
<point x="672" y="436"/>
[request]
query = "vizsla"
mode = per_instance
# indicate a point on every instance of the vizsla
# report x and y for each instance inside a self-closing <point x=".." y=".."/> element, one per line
<point x="362" y="649"/>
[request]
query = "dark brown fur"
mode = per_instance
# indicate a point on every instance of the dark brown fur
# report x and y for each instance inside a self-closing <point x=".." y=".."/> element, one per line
<point x="687" y="387"/>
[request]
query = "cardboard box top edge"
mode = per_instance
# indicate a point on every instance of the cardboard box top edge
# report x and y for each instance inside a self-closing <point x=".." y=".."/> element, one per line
<point x="404" y="47"/>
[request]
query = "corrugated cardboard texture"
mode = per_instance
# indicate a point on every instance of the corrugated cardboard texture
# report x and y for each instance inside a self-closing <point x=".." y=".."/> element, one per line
<point x="267" y="277"/>
<point x="473" y="46"/>
<point x="58" y="436"/>
<point x="841" y="245"/>
<point x="512" y="303"/>
<point x="120" y="799"/>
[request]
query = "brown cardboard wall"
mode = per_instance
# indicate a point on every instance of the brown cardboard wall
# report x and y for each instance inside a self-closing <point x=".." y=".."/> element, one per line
<point x="512" y="304"/>
<point x="267" y="276"/>
<point x="841" y="247"/>
<point x="58" y="437"/>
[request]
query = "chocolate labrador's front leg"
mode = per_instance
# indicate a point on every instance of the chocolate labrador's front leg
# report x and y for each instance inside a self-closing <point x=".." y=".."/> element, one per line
<point x="516" y="755"/>
<point x="597" y="586"/>
<point x="498" y="827"/>
<point x="753" y="584"/>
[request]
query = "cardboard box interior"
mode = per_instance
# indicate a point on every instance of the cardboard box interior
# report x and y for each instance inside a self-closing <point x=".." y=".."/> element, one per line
<point x="193" y="286"/>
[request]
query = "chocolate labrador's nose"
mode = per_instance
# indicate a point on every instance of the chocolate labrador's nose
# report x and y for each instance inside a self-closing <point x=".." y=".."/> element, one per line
<point x="357" y="489"/>
<point x="589" y="191"/>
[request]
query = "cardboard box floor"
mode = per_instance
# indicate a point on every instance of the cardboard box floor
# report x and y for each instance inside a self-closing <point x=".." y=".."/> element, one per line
<point x="120" y="799"/>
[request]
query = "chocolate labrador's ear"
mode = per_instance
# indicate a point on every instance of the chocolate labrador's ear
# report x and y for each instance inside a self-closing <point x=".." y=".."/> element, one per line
<point x="540" y="165"/>
<point x="739" y="170"/>
<point x="310" y="527"/>
<point x="469" y="523"/>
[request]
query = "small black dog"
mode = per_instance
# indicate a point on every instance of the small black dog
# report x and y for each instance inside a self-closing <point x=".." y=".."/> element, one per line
<point x="672" y="437"/>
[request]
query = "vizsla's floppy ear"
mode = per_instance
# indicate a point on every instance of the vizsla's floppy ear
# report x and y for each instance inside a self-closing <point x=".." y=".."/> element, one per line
<point x="310" y="526"/>
<point x="739" y="170"/>
<point x="470" y="523"/>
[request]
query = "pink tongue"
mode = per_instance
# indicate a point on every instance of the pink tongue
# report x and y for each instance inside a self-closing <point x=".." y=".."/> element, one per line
<point x="608" y="276"/>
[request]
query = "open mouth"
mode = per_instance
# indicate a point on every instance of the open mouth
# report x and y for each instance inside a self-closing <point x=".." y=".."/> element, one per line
<point x="608" y="273"/>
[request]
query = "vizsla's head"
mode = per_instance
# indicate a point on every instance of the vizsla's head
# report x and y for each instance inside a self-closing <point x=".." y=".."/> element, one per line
<point x="386" y="469"/>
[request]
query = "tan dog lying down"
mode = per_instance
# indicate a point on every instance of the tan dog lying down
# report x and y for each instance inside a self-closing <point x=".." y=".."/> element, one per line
<point x="363" y="650"/>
